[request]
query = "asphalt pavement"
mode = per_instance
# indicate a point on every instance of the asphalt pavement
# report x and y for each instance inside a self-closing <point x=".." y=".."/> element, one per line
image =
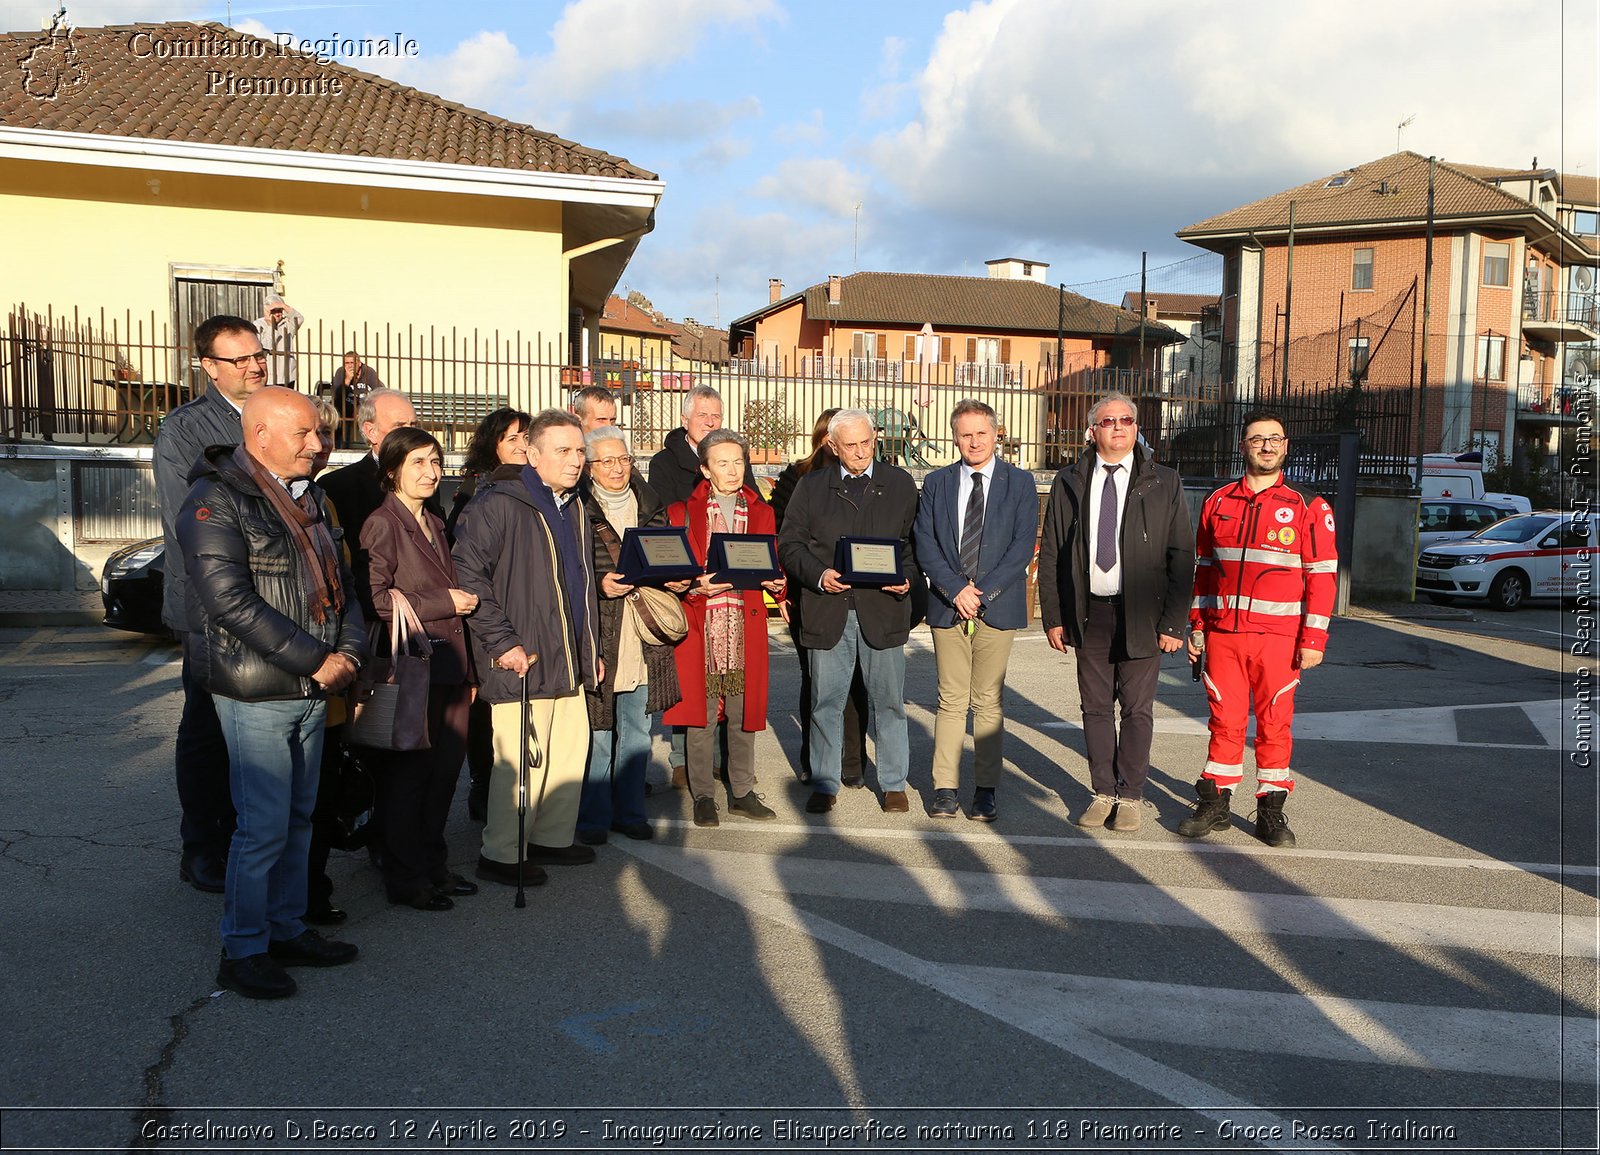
<point x="1419" y="974"/>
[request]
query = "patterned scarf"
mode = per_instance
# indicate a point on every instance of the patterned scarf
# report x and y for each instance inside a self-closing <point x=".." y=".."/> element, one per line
<point x="725" y="612"/>
<point x="302" y="516"/>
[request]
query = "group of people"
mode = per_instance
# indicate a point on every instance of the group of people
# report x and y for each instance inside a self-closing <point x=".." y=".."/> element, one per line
<point x="547" y="665"/>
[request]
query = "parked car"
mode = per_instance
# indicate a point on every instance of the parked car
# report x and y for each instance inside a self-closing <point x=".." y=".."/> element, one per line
<point x="1445" y="519"/>
<point x="131" y="586"/>
<point x="1549" y="554"/>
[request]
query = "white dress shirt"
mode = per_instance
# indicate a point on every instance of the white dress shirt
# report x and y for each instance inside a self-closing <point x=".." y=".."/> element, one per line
<point x="1106" y="583"/>
<point x="964" y="494"/>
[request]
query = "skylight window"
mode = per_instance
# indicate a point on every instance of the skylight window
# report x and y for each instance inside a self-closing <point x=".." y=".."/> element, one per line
<point x="1339" y="181"/>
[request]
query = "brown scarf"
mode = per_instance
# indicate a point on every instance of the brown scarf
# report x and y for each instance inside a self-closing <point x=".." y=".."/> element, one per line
<point x="309" y="532"/>
<point x="725" y="612"/>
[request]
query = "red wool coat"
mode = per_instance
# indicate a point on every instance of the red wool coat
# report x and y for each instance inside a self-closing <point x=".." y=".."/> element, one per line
<point x="690" y="653"/>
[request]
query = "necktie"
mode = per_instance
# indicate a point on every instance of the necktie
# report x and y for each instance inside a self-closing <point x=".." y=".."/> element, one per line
<point x="1105" y="544"/>
<point x="972" y="530"/>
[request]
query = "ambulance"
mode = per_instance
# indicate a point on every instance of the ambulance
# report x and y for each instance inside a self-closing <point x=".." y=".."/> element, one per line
<point x="1549" y="554"/>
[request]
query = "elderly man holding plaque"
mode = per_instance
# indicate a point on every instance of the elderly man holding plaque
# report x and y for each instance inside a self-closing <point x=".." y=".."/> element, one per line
<point x="846" y="544"/>
<point x="722" y="664"/>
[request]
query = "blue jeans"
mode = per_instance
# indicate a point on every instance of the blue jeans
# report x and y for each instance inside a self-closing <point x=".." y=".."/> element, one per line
<point x="613" y="788"/>
<point x="274" y="763"/>
<point x="884" y="672"/>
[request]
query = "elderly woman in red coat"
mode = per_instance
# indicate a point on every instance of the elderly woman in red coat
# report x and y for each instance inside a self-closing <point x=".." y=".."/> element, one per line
<point x="722" y="663"/>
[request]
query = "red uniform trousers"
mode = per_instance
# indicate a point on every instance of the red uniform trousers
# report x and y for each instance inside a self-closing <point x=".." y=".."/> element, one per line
<point x="1239" y="667"/>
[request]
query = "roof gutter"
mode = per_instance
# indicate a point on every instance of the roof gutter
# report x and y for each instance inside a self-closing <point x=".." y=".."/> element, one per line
<point x="52" y="146"/>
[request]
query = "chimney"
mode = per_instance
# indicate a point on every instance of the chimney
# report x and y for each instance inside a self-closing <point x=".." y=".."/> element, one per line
<point x="774" y="291"/>
<point x="835" y="289"/>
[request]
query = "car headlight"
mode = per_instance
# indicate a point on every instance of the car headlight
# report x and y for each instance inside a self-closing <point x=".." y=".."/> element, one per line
<point x="124" y="564"/>
<point x="1472" y="559"/>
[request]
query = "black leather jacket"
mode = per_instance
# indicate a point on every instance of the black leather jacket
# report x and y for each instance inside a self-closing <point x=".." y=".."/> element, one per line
<point x="246" y="588"/>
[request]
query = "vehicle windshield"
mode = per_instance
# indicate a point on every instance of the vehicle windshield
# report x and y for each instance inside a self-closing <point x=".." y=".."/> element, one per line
<point x="1514" y="529"/>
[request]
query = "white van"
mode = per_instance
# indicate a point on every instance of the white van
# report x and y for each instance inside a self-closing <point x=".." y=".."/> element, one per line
<point x="1460" y="475"/>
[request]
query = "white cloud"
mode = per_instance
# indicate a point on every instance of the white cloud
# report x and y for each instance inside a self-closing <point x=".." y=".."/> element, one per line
<point x="597" y="40"/>
<point x="809" y="130"/>
<point x="484" y="71"/>
<point x="1111" y="125"/>
<point x="822" y="183"/>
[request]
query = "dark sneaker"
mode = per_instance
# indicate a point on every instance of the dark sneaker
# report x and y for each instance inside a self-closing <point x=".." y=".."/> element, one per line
<point x="1271" y="826"/>
<point x="944" y="804"/>
<point x="258" y="977"/>
<point x="705" y="812"/>
<point x="491" y="871"/>
<point x="310" y="949"/>
<point x="1210" y="813"/>
<point x="751" y="806"/>
<point x="573" y="855"/>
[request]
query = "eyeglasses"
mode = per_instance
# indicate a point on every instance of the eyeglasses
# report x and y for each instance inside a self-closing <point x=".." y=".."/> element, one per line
<point x="612" y="462"/>
<point x="1272" y="442"/>
<point x="1113" y="422"/>
<point x="240" y="362"/>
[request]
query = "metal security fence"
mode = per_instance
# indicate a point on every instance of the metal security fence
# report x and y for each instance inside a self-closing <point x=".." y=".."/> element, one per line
<point x="1206" y="443"/>
<point x="92" y="379"/>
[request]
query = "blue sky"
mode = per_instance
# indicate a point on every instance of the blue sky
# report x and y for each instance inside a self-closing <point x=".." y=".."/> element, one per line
<point x="1075" y="132"/>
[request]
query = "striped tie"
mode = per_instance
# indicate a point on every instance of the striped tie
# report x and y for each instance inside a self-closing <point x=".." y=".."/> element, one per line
<point x="972" y="530"/>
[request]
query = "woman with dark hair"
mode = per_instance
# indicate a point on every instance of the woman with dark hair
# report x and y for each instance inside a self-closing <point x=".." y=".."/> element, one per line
<point x="722" y="664"/>
<point x="406" y="547"/>
<point x="500" y="439"/>
<point x="855" y="703"/>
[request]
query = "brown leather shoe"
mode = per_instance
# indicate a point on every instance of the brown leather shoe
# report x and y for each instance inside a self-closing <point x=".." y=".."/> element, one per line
<point x="819" y="803"/>
<point x="680" y="778"/>
<point x="896" y="802"/>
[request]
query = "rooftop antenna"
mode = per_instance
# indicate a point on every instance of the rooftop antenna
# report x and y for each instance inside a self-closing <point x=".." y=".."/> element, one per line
<point x="1400" y="128"/>
<point x="716" y="299"/>
<point x="855" y="247"/>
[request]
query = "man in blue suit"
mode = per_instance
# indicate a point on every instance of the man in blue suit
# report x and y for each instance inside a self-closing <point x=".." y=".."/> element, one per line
<point x="977" y="522"/>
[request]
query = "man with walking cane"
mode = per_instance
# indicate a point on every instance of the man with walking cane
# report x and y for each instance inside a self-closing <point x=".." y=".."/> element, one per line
<point x="525" y="548"/>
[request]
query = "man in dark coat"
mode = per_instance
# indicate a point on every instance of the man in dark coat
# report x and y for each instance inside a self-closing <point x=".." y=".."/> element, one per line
<point x="525" y="546"/>
<point x="675" y="470"/>
<point x="1116" y="567"/>
<point x="354" y="490"/>
<point x="232" y="357"/>
<point x="841" y="624"/>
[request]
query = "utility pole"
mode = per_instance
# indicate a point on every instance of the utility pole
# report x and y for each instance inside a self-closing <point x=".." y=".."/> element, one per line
<point x="1427" y="310"/>
<point x="1288" y="299"/>
<point x="1142" y="258"/>
<point x="855" y="245"/>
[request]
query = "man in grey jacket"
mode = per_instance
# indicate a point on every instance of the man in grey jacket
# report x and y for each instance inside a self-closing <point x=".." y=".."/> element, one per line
<point x="232" y="357"/>
<point x="1116" y="567"/>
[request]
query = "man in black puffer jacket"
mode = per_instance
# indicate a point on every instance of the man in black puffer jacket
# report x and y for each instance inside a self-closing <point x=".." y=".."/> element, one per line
<point x="281" y="629"/>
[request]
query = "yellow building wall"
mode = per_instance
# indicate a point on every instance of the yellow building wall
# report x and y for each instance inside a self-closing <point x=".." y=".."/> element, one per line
<point x="87" y="238"/>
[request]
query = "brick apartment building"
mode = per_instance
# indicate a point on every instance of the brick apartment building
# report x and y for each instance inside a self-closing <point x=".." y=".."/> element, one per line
<point x="1513" y="328"/>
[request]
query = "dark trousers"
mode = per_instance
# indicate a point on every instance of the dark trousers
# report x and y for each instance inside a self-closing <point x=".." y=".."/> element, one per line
<point x="1118" y="763"/>
<point x="415" y="789"/>
<point x="324" y="821"/>
<point x="854" y="753"/>
<point x="200" y="758"/>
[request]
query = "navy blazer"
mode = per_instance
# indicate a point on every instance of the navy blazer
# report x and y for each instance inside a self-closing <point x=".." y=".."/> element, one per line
<point x="1010" y="532"/>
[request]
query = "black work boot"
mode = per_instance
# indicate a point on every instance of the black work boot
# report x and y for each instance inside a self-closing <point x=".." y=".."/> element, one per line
<point x="1271" y="826"/>
<point x="1210" y="813"/>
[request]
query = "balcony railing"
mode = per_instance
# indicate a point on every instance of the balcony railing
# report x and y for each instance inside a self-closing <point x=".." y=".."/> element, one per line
<point x="1555" y="308"/>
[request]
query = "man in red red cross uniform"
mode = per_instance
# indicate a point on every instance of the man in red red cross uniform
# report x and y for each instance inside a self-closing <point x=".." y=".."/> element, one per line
<point x="1266" y="573"/>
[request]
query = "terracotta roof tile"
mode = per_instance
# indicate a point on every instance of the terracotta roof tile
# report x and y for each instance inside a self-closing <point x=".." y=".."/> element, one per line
<point x="973" y="303"/>
<point x="1173" y="304"/>
<point x="120" y="93"/>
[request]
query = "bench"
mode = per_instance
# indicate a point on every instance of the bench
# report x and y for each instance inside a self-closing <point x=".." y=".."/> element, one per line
<point x="454" y="415"/>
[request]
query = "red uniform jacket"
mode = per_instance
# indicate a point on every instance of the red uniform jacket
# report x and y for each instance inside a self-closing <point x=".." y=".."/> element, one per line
<point x="1265" y="563"/>
<point x="691" y="652"/>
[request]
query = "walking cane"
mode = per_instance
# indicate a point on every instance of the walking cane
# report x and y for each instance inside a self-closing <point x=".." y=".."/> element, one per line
<point x="522" y="794"/>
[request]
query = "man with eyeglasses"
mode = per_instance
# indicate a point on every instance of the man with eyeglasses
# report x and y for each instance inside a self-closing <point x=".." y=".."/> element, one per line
<point x="231" y="356"/>
<point x="1265" y="582"/>
<point x="1116" y="566"/>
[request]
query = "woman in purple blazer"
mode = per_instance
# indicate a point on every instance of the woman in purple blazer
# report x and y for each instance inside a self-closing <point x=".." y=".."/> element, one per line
<point x="407" y="551"/>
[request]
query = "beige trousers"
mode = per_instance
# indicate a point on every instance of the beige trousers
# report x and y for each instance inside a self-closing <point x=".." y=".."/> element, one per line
<point x="559" y="729"/>
<point x="972" y="676"/>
